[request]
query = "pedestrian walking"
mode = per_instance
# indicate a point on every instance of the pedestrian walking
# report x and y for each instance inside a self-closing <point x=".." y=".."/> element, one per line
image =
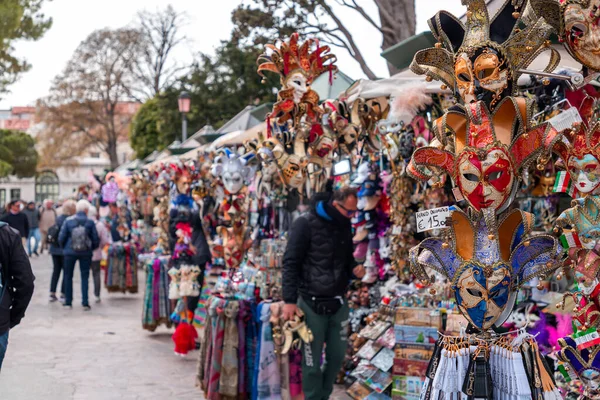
<point x="33" y="219"/>
<point x="105" y="238"/>
<point x="47" y="219"/>
<point x="17" y="220"/>
<point x="78" y="238"/>
<point x="58" y="259"/>
<point x="16" y="283"/>
<point x="317" y="266"/>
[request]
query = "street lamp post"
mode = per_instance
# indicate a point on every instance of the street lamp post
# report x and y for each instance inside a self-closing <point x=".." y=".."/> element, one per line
<point x="184" y="102"/>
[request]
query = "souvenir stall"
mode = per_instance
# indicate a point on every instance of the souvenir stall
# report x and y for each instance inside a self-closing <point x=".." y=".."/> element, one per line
<point x="465" y="226"/>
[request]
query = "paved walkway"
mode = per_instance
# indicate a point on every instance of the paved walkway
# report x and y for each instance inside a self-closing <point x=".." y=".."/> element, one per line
<point x="104" y="354"/>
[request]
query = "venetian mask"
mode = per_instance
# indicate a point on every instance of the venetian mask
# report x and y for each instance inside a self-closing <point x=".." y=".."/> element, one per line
<point x="544" y="186"/>
<point x="268" y="164"/>
<point x="183" y="184"/>
<point x="232" y="170"/>
<point x="298" y="82"/>
<point x="293" y="170"/>
<point x="486" y="263"/>
<point x="585" y="363"/>
<point x="233" y="247"/>
<point x="482" y="293"/>
<point x="406" y="143"/>
<point x="582" y="33"/>
<point x="484" y="77"/>
<point x="585" y="171"/>
<point x="486" y="179"/>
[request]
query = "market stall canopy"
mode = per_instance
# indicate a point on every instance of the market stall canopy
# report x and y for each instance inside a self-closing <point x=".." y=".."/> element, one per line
<point x="326" y="91"/>
<point x="238" y="138"/>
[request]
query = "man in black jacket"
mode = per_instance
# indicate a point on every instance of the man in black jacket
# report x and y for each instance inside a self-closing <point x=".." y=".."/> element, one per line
<point x="17" y="219"/>
<point x="317" y="266"/>
<point x="16" y="283"/>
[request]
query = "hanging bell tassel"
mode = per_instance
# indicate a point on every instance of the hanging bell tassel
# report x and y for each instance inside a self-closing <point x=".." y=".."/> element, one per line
<point x="478" y="382"/>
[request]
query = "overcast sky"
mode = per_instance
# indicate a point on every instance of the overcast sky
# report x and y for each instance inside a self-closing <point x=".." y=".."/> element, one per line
<point x="208" y="22"/>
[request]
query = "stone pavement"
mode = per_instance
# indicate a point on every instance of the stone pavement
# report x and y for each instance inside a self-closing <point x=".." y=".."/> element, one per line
<point x="58" y="354"/>
<point x="103" y="354"/>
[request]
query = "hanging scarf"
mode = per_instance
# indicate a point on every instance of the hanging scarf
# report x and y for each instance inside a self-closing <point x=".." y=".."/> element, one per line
<point x="218" y="334"/>
<point x="228" y="381"/>
<point x="269" y="380"/>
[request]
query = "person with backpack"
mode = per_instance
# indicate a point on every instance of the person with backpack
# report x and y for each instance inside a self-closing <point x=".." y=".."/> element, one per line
<point x="58" y="260"/>
<point x="78" y="238"/>
<point x="105" y="239"/>
<point x="16" y="283"/>
<point x="47" y="219"/>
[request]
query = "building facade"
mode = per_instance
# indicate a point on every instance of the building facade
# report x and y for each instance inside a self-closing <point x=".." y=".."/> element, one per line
<point x="61" y="182"/>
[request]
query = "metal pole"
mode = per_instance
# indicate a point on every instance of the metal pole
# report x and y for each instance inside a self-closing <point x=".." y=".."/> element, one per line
<point x="183" y="127"/>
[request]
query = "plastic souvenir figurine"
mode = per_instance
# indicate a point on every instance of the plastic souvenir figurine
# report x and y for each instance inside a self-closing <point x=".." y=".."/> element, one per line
<point x="482" y="58"/>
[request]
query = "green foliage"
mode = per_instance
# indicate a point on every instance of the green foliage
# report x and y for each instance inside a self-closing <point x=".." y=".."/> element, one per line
<point x="219" y="87"/>
<point x="19" y="20"/>
<point x="17" y="154"/>
<point x="152" y="126"/>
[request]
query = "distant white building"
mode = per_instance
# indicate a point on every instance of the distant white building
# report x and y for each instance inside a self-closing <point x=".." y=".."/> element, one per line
<point x="52" y="183"/>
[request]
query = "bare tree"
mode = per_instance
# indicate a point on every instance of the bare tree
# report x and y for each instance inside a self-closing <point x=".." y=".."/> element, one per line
<point x="87" y="106"/>
<point x="270" y="19"/>
<point x="160" y="33"/>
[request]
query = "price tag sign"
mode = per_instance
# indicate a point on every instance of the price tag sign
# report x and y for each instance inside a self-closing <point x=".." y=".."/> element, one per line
<point x="432" y="219"/>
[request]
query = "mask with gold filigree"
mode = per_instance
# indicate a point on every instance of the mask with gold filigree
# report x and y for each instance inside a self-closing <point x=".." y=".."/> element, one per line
<point x="292" y="167"/>
<point x="577" y="23"/>
<point x="481" y="59"/>
<point x="233" y="246"/>
<point x="491" y="149"/>
<point x="297" y="64"/>
<point x="486" y="262"/>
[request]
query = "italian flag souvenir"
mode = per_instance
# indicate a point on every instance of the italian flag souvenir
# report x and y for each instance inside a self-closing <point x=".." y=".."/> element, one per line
<point x="570" y="240"/>
<point x="564" y="184"/>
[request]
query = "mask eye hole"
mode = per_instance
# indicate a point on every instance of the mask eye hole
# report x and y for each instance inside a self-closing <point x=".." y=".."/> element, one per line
<point x="495" y="175"/>
<point x="486" y="73"/>
<point x="464" y="77"/>
<point x="471" y="177"/>
<point x="475" y="292"/>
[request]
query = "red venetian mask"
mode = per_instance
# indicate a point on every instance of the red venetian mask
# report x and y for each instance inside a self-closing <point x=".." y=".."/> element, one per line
<point x="486" y="179"/>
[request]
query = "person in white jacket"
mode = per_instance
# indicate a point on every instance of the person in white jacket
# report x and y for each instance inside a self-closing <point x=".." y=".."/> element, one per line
<point x="105" y="238"/>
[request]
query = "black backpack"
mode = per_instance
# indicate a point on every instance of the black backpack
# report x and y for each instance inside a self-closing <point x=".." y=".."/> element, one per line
<point x="52" y="236"/>
<point x="80" y="241"/>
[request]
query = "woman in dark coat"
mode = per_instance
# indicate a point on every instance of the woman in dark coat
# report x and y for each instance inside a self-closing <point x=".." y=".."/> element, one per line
<point x="58" y="259"/>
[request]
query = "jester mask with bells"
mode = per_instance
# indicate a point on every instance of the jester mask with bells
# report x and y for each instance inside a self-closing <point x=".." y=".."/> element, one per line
<point x="576" y="22"/>
<point x="491" y="149"/>
<point x="585" y="363"/>
<point x="233" y="170"/>
<point x="486" y="262"/>
<point x="580" y="152"/>
<point x="233" y="247"/>
<point x="298" y="64"/>
<point x="481" y="59"/>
